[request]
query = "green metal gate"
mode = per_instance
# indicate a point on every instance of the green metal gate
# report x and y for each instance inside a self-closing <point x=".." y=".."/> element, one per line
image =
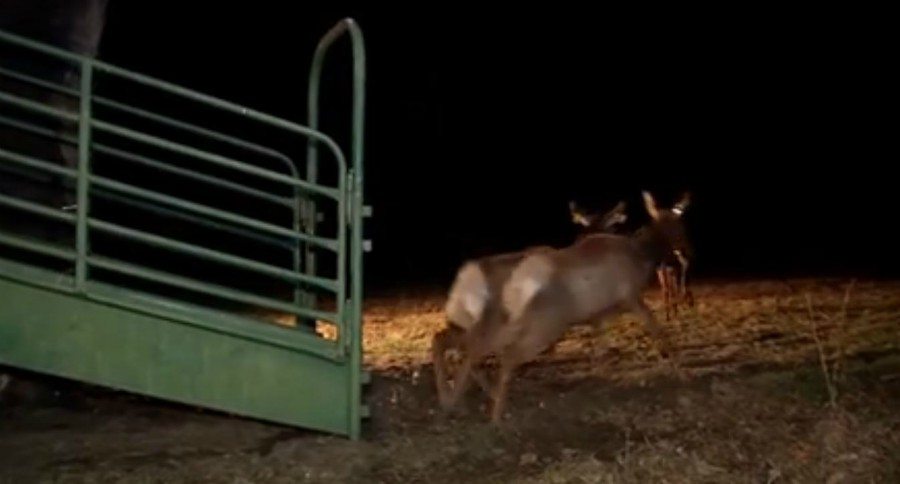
<point x="158" y="279"/>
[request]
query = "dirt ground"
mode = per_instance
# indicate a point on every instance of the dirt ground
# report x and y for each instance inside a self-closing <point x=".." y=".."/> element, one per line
<point x="793" y="381"/>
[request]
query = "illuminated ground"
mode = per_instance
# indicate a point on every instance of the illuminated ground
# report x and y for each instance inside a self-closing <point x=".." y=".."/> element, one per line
<point x="756" y="409"/>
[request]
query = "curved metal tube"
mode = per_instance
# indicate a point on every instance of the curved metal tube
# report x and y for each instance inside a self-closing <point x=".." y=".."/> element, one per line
<point x="351" y="338"/>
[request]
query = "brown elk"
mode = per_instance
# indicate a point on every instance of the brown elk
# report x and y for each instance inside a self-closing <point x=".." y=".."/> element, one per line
<point x="550" y="290"/>
<point x="671" y="273"/>
<point x="474" y="308"/>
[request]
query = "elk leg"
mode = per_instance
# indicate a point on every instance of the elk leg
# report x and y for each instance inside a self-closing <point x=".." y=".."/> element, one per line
<point x="462" y="382"/>
<point x="686" y="293"/>
<point x="445" y="339"/>
<point x="526" y="348"/>
<point x="439" y="344"/>
<point x="474" y="354"/>
<point x="480" y="377"/>
<point x="653" y="327"/>
<point x="672" y="282"/>
<point x="507" y="367"/>
<point x="663" y="285"/>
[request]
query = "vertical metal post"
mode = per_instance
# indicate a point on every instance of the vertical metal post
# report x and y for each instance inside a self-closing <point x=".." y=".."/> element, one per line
<point x="84" y="160"/>
<point x="297" y="213"/>
<point x="308" y="204"/>
<point x="354" y="192"/>
<point x="356" y="251"/>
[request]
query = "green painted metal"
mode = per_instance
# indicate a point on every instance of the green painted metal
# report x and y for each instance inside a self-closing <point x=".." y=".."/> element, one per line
<point x="74" y="325"/>
<point x="84" y="179"/>
<point x="355" y="184"/>
<point x="92" y="341"/>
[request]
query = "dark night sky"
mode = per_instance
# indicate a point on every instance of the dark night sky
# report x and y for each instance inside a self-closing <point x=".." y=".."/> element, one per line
<point x="481" y="124"/>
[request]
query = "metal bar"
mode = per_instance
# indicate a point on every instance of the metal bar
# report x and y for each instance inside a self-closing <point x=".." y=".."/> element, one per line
<point x="223" y="105"/>
<point x="40" y="47"/>
<point x="39" y="130"/>
<point x="205" y="288"/>
<point x="35" y="208"/>
<point x="210" y="319"/>
<point x="101" y="148"/>
<point x="84" y="171"/>
<point x="143" y="160"/>
<point x="212" y="158"/>
<point x="37" y="107"/>
<point x="37" y="163"/>
<point x="38" y="277"/>
<point x="214" y="255"/>
<point x="209" y="211"/>
<point x="273" y="241"/>
<point x="308" y="206"/>
<point x="292" y="169"/>
<point x="39" y="82"/>
<point x="192" y="128"/>
<point x="25" y="173"/>
<point x="356" y="187"/>
<point x="174" y="310"/>
<point x="37" y="246"/>
<point x="189" y="94"/>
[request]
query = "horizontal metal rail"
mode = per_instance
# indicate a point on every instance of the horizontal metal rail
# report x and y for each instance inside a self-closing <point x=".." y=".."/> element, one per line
<point x="38" y="130"/>
<point x="211" y="180"/>
<point x="192" y="128"/>
<point x="211" y="319"/>
<point x="36" y="208"/>
<point x="37" y="163"/>
<point x="46" y="166"/>
<point x="212" y="212"/>
<point x="38" y="247"/>
<point x="46" y="49"/>
<point x="184" y="92"/>
<point x="165" y="120"/>
<point x="270" y="334"/>
<point x="213" y="255"/>
<point x="26" y="173"/>
<point x="206" y="288"/>
<point x="37" y="107"/>
<point x="282" y="243"/>
<point x="132" y="157"/>
<point x="212" y="158"/>
<point x="179" y="147"/>
<point x="40" y="82"/>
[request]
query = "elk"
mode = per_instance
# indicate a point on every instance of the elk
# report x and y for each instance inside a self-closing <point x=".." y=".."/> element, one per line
<point x="675" y="262"/>
<point x="550" y="290"/>
<point x="473" y="309"/>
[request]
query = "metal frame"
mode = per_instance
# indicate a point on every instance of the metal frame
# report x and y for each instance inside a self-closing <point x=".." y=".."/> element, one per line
<point x="80" y="293"/>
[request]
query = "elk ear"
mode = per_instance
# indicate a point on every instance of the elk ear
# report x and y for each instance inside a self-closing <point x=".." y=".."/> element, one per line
<point x="619" y="208"/>
<point x="650" y="205"/>
<point x="682" y="205"/>
<point x="615" y="216"/>
<point x="578" y="217"/>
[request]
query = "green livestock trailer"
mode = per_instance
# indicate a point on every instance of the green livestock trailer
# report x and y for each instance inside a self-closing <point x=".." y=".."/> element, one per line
<point x="147" y="277"/>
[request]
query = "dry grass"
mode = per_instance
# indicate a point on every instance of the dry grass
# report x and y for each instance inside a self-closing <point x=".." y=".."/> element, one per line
<point x="733" y="326"/>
